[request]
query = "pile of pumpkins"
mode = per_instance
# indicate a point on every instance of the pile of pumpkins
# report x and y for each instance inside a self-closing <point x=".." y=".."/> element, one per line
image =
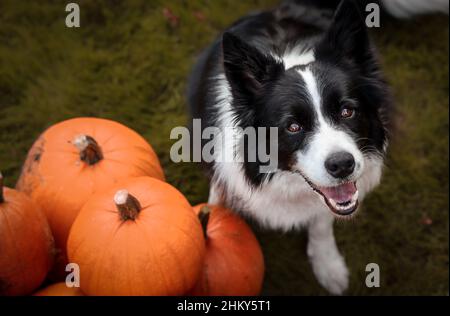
<point x="92" y="193"/>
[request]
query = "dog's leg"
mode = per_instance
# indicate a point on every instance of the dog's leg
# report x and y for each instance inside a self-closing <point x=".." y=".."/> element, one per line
<point x="327" y="263"/>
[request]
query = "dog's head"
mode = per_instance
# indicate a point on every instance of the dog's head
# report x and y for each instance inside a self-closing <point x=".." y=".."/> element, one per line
<point x="329" y="109"/>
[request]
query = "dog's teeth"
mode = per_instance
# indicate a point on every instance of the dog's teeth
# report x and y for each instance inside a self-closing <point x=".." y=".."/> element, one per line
<point x="351" y="204"/>
<point x="355" y="196"/>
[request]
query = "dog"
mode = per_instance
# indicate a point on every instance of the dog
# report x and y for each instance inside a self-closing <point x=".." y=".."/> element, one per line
<point x="312" y="72"/>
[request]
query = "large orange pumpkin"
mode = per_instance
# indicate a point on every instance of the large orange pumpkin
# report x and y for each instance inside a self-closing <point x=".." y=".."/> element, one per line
<point x="234" y="263"/>
<point x="59" y="289"/>
<point x="76" y="158"/>
<point x="140" y="237"/>
<point x="26" y="243"/>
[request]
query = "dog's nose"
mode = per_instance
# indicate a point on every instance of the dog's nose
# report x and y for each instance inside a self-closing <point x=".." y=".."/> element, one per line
<point x="340" y="165"/>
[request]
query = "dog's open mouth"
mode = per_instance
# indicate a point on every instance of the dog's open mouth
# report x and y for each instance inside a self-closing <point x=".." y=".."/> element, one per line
<point x="341" y="199"/>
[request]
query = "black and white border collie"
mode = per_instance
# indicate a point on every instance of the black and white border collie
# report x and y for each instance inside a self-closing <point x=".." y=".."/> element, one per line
<point x="314" y="75"/>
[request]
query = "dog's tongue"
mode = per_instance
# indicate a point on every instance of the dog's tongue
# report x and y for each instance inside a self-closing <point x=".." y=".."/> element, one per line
<point x="341" y="193"/>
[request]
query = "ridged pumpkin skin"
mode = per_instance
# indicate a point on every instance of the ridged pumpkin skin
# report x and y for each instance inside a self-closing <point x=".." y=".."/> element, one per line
<point x="54" y="171"/>
<point x="234" y="262"/>
<point x="26" y="244"/>
<point x="59" y="289"/>
<point x="158" y="250"/>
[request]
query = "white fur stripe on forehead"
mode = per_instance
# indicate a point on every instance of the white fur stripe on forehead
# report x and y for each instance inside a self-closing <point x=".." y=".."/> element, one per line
<point x="311" y="87"/>
<point x="296" y="57"/>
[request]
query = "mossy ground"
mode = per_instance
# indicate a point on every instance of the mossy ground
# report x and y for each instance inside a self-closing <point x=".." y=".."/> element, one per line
<point x="129" y="64"/>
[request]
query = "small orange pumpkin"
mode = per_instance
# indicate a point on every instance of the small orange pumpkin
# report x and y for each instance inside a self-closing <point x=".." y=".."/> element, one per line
<point x="140" y="237"/>
<point x="234" y="262"/>
<point x="82" y="155"/>
<point x="59" y="289"/>
<point x="26" y="243"/>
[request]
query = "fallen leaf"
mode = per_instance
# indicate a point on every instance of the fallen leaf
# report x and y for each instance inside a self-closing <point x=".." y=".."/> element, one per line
<point x="173" y="19"/>
<point x="426" y="220"/>
<point x="199" y="16"/>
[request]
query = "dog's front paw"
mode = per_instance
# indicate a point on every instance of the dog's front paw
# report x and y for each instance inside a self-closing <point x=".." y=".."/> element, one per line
<point x="331" y="272"/>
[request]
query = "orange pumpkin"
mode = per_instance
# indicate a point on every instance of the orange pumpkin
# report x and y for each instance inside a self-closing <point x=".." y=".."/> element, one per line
<point x="234" y="263"/>
<point x="59" y="289"/>
<point x="82" y="155"/>
<point x="26" y="243"/>
<point x="140" y="237"/>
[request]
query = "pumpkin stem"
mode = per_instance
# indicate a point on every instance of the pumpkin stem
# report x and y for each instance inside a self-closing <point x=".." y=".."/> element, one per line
<point x="203" y="216"/>
<point x="2" y="197"/>
<point x="90" y="151"/>
<point x="128" y="206"/>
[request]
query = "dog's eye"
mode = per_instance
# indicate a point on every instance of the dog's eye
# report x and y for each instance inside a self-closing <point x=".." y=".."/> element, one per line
<point x="347" y="113"/>
<point x="294" y="128"/>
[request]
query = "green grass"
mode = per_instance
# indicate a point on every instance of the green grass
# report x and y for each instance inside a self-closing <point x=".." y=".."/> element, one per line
<point x="127" y="63"/>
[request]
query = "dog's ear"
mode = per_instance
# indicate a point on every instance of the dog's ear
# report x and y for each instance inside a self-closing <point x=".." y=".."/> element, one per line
<point x="246" y="68"/>
<point x="347" y="36"/>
